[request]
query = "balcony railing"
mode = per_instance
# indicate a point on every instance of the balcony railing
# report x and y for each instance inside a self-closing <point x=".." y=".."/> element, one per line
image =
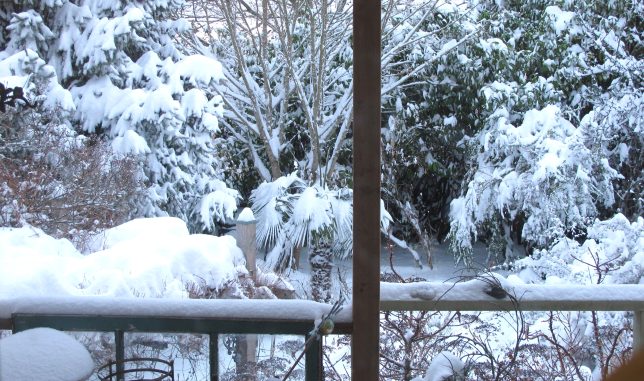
<point x="297" y="317"/>
<point x="211" y="317"/>
<point x="472" y="296"/>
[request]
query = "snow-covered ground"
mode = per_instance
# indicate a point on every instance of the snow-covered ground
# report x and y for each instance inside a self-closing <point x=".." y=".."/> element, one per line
<point x="151" y="258"/>
<point x="444" y="267"/>
<point x="157" y="258"/>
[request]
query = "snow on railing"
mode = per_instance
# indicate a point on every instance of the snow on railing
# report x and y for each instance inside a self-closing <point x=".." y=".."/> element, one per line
<point x="211" y="317"/>
<point x="300" y="316"/>
<point x="229" y="309"/>
<point x="492" y="293"/>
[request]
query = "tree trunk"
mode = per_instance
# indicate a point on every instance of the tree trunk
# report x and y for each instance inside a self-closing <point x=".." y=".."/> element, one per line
<point x="321" y="260"/>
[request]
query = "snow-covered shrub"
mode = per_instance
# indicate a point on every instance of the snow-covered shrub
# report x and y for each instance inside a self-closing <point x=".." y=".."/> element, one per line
<point x="430" y="78"/>
<point x="115" y="70"/>
<point x="409" y="341"/>
<point x="150" y="257"/>
<point x="616" y="133"/>
<point x="577" y="345"/>
<point x="444" y="366"/>
<point x="65" y="184"/>
<point x="580" y="58"/>
<point x="292" y="215"/>
<point x="171" y="124"/>
<point x="541" y="173"/>
<point x="613" y="252"/>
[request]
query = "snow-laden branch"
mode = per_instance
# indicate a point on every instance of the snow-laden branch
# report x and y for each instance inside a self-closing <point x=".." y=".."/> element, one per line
<point x="446" y="49"/>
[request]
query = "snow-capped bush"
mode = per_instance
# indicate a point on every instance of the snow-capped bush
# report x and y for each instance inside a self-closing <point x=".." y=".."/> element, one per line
<point x="113" y="70"/>
<point x="292" y="215"/>
<point x="444" y="366"/>
<point x="64" y="183"/>
<point x="155" y="257"/>
<point x="613" y="252"/>
<point x="540" y="172"/>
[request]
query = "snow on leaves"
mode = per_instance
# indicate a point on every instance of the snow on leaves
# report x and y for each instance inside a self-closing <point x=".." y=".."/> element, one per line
<point x="541" y="169"/>
<point x="129" y="82"/>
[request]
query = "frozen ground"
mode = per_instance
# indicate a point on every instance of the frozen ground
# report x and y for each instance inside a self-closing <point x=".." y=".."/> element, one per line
<point x="444" y="267"/>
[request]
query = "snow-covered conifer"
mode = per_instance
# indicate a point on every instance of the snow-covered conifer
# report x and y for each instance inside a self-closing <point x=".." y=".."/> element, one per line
<point x="131" y="84"/>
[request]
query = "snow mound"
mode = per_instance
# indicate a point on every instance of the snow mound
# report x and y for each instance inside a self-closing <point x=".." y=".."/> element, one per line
<point x="445" y="366"/>
<point x="143" y="229"/>
<point x="43" y="354"/>
<point x="154" y="257"/>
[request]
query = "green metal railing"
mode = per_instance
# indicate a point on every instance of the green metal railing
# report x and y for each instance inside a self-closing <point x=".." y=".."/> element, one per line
<point x="213" y="327"/>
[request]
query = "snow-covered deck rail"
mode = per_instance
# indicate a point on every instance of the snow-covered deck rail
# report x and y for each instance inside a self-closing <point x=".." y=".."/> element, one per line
<point x="496" y="294"/>
<point x="212" y="317"/>
<point x="298" y="317"/>
<point x="230" y="309"/>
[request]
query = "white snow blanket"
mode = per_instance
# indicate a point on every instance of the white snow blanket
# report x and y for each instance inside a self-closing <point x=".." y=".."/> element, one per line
<point x="152" y="257"/>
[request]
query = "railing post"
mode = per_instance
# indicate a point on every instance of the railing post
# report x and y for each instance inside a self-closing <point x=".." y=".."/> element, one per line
<point x="246" y="360"/>
<point x="313" y="360"/>
<point x="638" y="330"/>
<point x="214" y="356"/>
<point x="247" y="241"/>
<point x="246" y="226"/>
<point x="119" y="343"/>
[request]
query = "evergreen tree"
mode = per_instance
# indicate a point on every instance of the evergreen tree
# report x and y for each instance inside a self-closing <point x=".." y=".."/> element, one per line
<point x="555" y="122"/>
<point x="131" y="84"/>
<point x="430" y="104"/>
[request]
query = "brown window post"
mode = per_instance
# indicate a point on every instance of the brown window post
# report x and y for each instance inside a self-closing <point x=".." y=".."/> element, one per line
<point x="366" y="196"/>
